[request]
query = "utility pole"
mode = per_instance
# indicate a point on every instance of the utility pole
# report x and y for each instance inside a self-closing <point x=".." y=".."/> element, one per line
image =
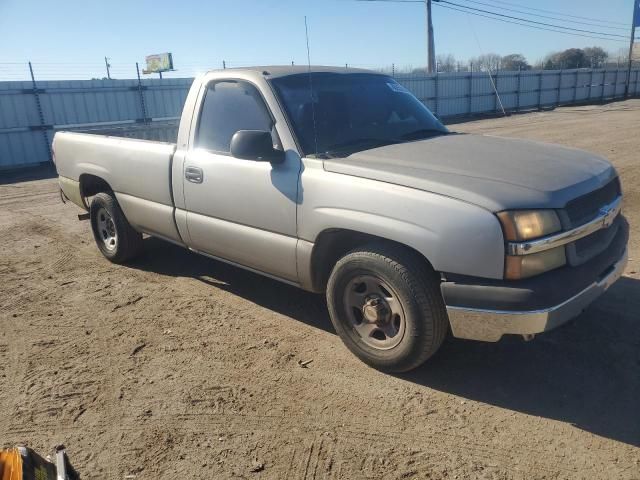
<point x="431" y="63"/>
<point x="106" y="64"/>
<point x="636" y="3"/>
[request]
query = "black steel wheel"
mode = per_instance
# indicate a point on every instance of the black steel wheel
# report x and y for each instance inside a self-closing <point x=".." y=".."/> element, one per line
<point x="115" y="237"/>
<point x="386" y="305"/>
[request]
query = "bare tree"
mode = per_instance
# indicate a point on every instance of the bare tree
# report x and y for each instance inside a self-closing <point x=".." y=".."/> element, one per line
<point x="446" y="63"/>
<point x="596" y="55"/>
<point x="487" y="62"/>
<point x="515" y="61"/>
<point x="622" y="54"/>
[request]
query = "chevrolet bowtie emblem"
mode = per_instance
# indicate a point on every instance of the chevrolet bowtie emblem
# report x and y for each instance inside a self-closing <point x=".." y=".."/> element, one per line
<point x="608" y="215"/>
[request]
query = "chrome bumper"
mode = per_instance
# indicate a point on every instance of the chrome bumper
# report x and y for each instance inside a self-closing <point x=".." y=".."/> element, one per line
<point x="491" y="325"/>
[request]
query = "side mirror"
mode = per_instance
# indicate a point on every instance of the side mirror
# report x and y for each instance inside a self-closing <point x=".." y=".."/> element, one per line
<point x="255" y="145"/>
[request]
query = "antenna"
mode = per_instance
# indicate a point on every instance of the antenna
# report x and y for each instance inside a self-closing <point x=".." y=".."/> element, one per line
<point x="313" y="108"/>
<point x="493" y="84"/>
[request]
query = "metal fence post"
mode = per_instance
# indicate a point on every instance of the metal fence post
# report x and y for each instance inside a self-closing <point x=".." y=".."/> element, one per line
<point x="575" y="88"/>
<point x="518" y="89"/>
<point x="142" y="104"/>
<point x="436" y="89"/>
<point x="470" y="87"/>
<point x="559" y="87"/>
<point x="495" y="89"/>
<point x="540" y="90"/>
<point x="604" y="81"/>
<point x="43" y="126"/>
<point x="590" y="84"/>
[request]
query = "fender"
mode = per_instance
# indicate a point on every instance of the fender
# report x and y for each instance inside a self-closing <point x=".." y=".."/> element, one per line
<point x="453" y="235"/>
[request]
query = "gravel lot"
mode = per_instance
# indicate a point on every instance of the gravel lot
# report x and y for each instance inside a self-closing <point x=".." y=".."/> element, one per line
<point x="182" y="367"/>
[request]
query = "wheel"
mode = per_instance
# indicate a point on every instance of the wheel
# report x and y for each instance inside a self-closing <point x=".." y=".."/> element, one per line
<point x="116" y="239"/>
<point x="386" y="306"/>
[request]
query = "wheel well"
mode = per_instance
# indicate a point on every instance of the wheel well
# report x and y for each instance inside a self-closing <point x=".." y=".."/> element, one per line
<point x="331" y="245"/>
<point x="91" y="185"/>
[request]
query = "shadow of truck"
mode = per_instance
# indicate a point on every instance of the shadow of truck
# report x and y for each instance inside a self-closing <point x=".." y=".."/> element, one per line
<point x="586" y="373"/>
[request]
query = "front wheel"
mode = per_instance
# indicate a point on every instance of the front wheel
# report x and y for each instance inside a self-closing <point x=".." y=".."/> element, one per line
<point x="115" y="237"/>
<point x="385" y="303"/>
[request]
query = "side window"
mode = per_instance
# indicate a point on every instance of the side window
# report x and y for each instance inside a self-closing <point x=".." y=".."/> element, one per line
<point x="230" y="106"/>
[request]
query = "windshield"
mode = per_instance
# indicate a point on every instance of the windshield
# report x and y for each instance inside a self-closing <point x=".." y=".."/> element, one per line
<point x="352" y="112"/>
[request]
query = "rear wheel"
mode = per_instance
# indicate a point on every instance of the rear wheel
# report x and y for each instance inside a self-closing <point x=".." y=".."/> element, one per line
<point x="115" y="237"/>
<point x="385" y="304"/>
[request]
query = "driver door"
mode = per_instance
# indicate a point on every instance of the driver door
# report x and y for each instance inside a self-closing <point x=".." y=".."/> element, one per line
<point x="242" y="211"/>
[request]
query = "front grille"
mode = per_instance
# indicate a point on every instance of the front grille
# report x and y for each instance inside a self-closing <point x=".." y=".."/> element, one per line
<point x="590" y="246"/>
<point x="585" y="208"/>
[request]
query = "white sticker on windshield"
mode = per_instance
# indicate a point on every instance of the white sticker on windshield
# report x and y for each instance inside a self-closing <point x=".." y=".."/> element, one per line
<point x="396" y="87"/>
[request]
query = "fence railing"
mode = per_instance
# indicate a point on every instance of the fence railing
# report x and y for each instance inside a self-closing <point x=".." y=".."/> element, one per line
<point x="31" y="112"/>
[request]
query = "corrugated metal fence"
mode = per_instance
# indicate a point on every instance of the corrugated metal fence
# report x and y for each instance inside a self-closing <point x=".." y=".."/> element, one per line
<point x="472" y="93"/>
<point x="30" y="114"/>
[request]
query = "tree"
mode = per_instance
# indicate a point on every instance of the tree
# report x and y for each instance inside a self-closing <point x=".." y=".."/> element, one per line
<point x="446" y="63"/>
<point x="573" y="58"/>
<point x="596" y="56"/>
<point x="569" y="58"/>
<point x="515" y="61"/>
<point x="488" y="62"/>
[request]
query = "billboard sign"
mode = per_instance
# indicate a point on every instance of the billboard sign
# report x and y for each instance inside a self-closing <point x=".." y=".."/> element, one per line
<point x="635" y="52"/>
<point x="160" y="62"/>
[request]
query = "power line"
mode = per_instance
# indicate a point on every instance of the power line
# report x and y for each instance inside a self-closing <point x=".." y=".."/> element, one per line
<point x="531" y="21"/>
<point x="527" y="25"/>
<point x="557" y="13"/>
<point x="515" y="20"/>
<point x="558" y="28"/>
<point x="601" y="24"/>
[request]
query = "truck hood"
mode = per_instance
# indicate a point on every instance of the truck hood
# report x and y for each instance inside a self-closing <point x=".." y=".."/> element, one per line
<point x="493" y="172"/>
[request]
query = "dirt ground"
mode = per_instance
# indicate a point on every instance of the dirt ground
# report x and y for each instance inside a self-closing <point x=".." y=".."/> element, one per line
<point x="182" y="367"/>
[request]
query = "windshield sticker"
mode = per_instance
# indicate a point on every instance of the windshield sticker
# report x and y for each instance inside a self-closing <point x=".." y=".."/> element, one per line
<point x="396" y="87"/>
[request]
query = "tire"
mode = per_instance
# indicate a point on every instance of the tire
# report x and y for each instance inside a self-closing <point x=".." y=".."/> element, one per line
<point x="402" y="321"/>
<point x="115" y="237"/>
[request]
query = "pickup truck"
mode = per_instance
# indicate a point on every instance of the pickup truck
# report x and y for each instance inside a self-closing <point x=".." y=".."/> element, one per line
<point x="340" y="181"/>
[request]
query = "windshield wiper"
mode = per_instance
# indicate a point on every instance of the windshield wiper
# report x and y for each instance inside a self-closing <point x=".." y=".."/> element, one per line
<point x="423" y="133"/>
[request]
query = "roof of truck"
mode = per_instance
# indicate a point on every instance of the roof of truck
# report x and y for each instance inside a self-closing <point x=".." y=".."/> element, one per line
<point x="274" y="71"/>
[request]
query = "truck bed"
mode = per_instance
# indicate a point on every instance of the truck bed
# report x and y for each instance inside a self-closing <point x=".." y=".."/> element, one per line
<point x="138" y="171"/>
<point x="159" y="131"/>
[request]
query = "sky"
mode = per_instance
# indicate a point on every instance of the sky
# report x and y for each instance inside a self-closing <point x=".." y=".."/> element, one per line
<point x="70" y="38"/>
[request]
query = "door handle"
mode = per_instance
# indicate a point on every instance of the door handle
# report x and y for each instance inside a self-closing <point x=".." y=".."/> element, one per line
<point x="193" y="174"/>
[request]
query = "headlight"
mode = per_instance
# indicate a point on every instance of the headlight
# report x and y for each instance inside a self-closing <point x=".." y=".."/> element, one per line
<point x="524" y="266"/>
<point x="522" y="225"/>
<point x="519" y="225"/>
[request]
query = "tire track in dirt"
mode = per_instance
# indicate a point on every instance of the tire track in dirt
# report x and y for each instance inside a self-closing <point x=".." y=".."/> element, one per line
<point x="305" y="465"/>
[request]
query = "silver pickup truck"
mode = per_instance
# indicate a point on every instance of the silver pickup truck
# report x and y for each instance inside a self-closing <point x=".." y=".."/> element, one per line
<point x="341" y="181"/>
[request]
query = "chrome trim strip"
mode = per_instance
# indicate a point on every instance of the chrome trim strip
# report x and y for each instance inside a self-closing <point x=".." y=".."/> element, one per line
<point x="491" y="325"/>
<point x="608" y="213"/>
